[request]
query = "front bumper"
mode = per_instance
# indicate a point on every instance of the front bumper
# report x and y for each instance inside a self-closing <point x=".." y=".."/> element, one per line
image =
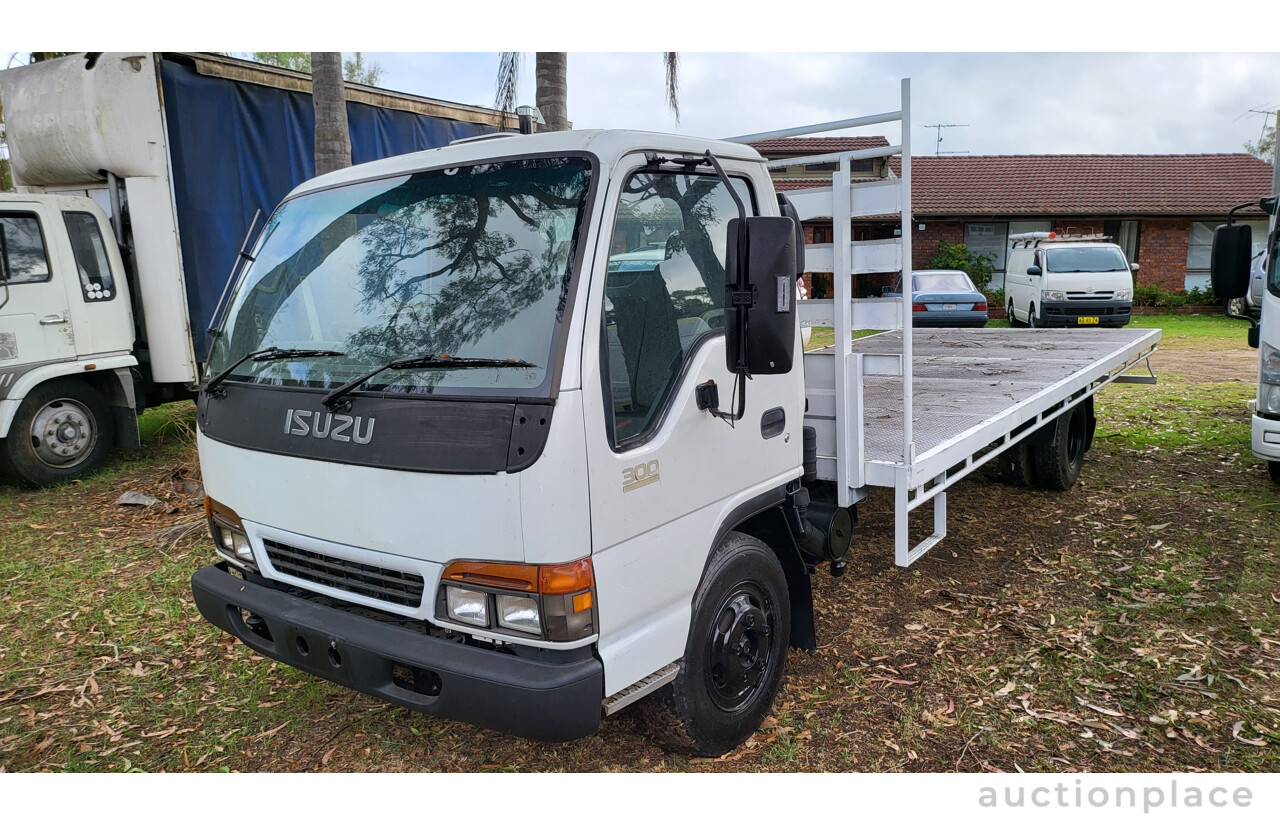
<point x="1266" y="438"/>
<point x="552" y="701"/>
<point x="1068" y="313"/>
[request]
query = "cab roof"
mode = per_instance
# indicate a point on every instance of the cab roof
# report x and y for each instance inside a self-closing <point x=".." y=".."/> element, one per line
<point x="608" y="146"/>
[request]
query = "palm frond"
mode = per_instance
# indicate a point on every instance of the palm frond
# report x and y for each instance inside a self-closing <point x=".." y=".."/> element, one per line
<point x="672" y="62"/>
<point x="508" y="82"/>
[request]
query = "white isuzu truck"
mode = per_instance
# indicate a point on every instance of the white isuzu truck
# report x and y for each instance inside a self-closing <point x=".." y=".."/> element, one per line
<point x="139" y="176"/>
<point x="519" y="431"/>
<point x="1231" y="273"/>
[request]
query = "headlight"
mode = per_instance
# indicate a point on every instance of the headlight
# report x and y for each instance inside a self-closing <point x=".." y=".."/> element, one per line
<point x="1054" y="295"/>
<point x="468" y="606"/>
<point x="1269" y="399"/>
<point x="1269" y="361"/>
<point x="519" y="613"/>
<point x="228" y="534"/>
<point x="555" y="602"/>
<point x="1124" y="295"/>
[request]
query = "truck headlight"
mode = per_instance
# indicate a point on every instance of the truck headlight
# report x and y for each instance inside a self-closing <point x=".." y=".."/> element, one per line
<point x="1268" y="379"/>
<point x="1054" y="295"/>
<point x="555" y="602"/>
<point x="1123" y="295"/>
<point x="229" y="536"/>
<point x="468" y="606"/>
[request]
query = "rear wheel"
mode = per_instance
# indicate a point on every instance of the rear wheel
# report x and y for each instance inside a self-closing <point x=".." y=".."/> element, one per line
<point x="63" y="430"/>
<point x="1235" y="306"/>
<point x="1059" y="454"/>
<point x="1017" y="465"/>
<point x="734" y="656"/>
<point x="1013" y="319"/>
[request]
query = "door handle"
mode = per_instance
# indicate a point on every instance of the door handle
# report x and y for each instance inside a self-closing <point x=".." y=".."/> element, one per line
<point x="50" y="320"/>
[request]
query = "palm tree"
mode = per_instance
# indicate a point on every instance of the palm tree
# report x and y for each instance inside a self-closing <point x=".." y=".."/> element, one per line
<point x="551" y="73"/>
<point x="328" y="95"/>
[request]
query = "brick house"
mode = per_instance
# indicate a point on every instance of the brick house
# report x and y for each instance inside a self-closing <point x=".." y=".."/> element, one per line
<point x="1161" y="209"/>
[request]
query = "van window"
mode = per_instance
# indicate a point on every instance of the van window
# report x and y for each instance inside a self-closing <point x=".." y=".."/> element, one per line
<point x="1085" y="259"/>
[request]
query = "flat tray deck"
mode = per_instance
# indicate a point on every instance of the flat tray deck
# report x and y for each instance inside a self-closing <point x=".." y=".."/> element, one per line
<point x="973" y="383"/>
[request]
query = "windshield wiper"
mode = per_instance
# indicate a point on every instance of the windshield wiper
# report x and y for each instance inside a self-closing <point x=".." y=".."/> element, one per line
<point x="262" y="356"/>
<point x="444" y="362"/>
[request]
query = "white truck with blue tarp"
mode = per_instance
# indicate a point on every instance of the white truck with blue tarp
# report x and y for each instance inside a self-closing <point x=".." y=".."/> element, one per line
<point x="139" y="177"/>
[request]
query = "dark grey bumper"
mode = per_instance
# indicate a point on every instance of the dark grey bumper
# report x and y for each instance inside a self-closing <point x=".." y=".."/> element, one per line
<point x="545" y="700"/>
<point x="1069" y="313"/>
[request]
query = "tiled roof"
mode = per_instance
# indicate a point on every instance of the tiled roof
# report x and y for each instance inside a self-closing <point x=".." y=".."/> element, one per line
<point x="1079" y="184"/>
<point x="816" y="146"/>
<point x="1094" y="184"/>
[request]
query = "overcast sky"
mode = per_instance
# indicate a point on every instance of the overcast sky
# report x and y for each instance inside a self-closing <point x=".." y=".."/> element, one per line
<point x="1029" y="103"/>
<point x="1119" y="79"/>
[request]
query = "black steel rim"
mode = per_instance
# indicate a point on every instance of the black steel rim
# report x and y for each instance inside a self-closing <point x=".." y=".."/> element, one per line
<point x="739" y="647"/>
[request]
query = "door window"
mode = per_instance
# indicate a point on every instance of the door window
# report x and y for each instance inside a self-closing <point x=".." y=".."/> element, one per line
<point x="664" y="291"/>
<point x="25" y="259"/>
<point x="96" y="281"/>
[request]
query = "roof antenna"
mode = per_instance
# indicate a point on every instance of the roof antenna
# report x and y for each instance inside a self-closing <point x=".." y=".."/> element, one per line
<point x="938" y="145"/>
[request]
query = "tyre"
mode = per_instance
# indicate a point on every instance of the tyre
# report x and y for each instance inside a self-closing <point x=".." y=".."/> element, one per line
<point x="734" y="656"/>
<point x="1235" y="306"/>
<point x="1013" y="320"/>
<point x="1273" y="468"/>
<point x="1059" y="454"/>
<point x="1033" y="321"/>
<point x="1017" y="465"/>
<point x="63" y="430"/>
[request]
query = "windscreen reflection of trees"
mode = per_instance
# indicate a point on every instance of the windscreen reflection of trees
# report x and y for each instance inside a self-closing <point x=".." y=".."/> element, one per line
<point x="438" y="270"/>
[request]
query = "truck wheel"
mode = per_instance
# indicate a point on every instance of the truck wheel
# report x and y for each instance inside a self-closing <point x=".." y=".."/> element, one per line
<point x="63" y="430"/>
<point x="734" y="657"/>
<point x="1017" y="465"/>
<point x="1059" y="453"/>
<point x="1032" y="320"/>
<point x="1273" y="468"/>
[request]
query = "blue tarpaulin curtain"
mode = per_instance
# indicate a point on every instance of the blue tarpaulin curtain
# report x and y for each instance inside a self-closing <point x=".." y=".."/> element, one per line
<point x="238" y="147"/>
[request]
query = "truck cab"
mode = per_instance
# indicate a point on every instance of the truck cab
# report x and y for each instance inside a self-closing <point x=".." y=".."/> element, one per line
<point x="1062" y="280"/>
<point x="66" y="337"/>
<point x="474" y="421"/>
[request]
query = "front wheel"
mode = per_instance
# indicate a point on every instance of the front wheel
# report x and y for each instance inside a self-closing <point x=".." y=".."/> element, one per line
<point x="63" y="430"/>
<point x="734" y="656"/>
<point x="1032" y="320"/>
<point x="1236" y="307"/>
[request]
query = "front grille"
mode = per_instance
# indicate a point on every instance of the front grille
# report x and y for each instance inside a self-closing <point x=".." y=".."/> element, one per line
<point x="368" y="580"/>
<point x="1089" y="296"/>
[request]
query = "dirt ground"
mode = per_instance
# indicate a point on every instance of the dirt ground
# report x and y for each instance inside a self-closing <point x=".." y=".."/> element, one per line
<point x="1129" y="624"/>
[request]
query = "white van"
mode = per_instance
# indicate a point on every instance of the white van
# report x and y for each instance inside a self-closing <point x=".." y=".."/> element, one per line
<point x="1056" y="280"/>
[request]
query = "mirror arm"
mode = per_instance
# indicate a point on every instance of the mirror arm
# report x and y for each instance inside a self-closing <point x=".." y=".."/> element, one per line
<point x="4" y="266"/>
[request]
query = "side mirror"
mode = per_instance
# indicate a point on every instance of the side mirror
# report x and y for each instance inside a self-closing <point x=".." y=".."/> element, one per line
<point x="1033" y="270"/>
<point x="760" y="288"/>
<point x="789" y="211"/>
<point x="1133" y="267"/>
<point x="1231" y="253"/>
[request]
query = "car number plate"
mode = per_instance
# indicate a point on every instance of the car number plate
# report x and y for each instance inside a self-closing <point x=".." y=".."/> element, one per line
<point x="948" y="306"/>
<point x="1087" y="319"/>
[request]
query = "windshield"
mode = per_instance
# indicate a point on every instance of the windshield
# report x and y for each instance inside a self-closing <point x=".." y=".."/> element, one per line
<point x="942" y="282"/>
<point x="1086" y="259"/>
<point x="468" y="262"/>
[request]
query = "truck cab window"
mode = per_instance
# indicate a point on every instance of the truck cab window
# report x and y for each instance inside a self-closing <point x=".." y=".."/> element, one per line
<point x="28" y="262"/>
<point x="664" y="292"/>
<point x="96" y="281"/>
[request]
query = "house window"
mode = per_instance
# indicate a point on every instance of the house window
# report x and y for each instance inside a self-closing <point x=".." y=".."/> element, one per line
<point x="1200" y="248"/>
<point x="987" y="239"/>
